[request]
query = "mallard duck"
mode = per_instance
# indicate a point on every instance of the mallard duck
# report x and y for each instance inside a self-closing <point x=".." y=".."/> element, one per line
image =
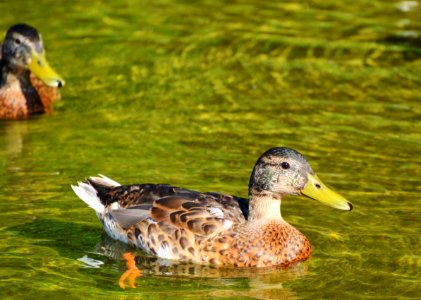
<point x="213" y="228"/>
<point x="28" y="85"/>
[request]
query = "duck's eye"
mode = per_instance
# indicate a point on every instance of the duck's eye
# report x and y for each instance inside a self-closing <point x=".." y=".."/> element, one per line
<point x="285" y="165"/>
<point x="17" y="41"/>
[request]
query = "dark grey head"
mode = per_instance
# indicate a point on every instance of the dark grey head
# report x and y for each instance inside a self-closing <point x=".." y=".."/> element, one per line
<point x="280" y="170"/>
<point x="23" y="51"/>
<point x="18" y="44"/>
<point x="27" y="31"/>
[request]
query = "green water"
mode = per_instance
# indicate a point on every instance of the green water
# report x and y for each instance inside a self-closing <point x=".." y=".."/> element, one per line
<point x="191" y="93"/>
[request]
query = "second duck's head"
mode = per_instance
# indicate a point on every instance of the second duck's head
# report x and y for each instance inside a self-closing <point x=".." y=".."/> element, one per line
<point x="23" y="49"/>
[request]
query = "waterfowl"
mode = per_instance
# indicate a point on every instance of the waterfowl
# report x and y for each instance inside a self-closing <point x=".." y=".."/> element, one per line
<point x="28" y="85"/>
<point x="213" y="228"/>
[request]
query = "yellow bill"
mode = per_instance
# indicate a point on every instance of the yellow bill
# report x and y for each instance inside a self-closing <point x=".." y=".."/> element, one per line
<point x="40" y="67"/>
<point x="315" y="189"/>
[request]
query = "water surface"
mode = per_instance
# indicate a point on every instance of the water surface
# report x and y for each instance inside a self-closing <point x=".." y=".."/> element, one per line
<point x="191" y="93"/>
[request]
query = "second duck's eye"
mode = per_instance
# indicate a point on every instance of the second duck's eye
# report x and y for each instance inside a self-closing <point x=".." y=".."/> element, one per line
<point x="17" y="41"/>
<point x="285" y="165"/>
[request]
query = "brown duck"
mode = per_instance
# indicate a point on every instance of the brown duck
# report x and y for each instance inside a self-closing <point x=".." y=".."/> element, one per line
<point x="213" y="228"/>
<point x="28" y="85"/>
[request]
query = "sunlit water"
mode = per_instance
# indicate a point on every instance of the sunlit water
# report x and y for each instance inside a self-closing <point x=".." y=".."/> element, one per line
<point x="191" y="93"/>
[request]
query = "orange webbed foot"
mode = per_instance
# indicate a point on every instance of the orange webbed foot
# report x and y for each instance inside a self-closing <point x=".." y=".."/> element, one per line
<point x="132" y="271"/>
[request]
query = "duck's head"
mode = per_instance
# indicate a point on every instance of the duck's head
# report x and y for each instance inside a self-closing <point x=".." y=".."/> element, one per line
<point x="23" y="49"/>
<point x="284" y="171"/>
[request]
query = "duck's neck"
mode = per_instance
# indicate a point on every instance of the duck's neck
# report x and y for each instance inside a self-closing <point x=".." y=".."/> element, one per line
<point x="3" y="73"/>
<point x="19" y="80"/>
<point x="264" y="207"/>
<point x="11" y="75"/>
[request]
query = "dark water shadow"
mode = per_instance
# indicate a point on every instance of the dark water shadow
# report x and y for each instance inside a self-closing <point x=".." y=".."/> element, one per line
<point x="67" y="238"/>
<point x="411" y="45"/>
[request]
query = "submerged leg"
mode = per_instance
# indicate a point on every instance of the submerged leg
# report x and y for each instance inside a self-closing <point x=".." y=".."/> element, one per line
<point x="132" y="271"/>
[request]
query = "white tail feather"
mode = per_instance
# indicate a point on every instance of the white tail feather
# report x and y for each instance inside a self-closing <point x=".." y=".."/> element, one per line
<point x="104" y="180"/>
<point x="88" y="194"/>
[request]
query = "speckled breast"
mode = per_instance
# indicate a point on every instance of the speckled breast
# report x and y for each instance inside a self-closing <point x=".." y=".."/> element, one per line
<point x="277" y="245"/>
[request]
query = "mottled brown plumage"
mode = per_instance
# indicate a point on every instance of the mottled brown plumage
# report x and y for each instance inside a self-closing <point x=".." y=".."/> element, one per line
<point x="28" y="85"/>
<point x="212" y="228"/>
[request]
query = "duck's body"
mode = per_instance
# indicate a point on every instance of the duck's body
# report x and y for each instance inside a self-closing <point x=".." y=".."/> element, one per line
<point x="207" y="228"/>
<point x="28" y="85"/>
<point x="180" y="224"/>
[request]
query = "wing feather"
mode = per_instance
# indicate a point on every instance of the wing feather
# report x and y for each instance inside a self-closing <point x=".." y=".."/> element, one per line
<point x="198" y="213"/>
<point x="128" y="217"/>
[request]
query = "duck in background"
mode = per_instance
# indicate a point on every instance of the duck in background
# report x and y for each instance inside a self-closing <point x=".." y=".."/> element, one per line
<point x="28" y="85"/>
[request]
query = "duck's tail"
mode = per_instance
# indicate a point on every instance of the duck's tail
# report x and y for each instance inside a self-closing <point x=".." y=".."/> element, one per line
<point x="92" y="193"/>
<point x="88" y="191"/>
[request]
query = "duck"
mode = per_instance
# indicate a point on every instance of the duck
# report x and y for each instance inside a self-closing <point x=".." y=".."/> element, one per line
<point x="214" y="228"/>
<point x="28" y="85"/>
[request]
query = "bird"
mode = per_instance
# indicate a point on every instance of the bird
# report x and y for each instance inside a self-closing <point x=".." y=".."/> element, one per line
<point x="214" y="228"/>
<point x="28" y="85"/>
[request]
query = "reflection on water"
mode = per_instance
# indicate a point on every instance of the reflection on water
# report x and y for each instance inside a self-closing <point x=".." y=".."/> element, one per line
<point x="265" y="283"/>
<point x="13" y="137"/>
